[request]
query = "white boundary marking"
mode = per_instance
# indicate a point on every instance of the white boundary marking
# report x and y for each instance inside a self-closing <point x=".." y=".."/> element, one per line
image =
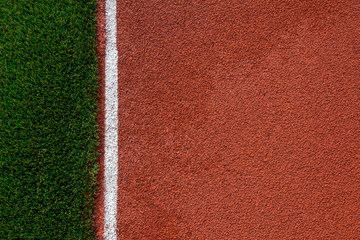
<point x="111" y="123"/>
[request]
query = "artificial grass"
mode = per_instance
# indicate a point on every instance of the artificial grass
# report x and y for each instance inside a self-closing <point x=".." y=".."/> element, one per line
<point x="48" y="130"/>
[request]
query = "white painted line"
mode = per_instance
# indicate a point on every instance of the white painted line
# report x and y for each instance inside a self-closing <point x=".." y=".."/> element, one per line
<point x="111" y="123"/>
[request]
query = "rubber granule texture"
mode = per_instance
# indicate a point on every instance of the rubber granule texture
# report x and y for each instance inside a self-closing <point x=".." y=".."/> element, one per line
<point x="239" y="119"/>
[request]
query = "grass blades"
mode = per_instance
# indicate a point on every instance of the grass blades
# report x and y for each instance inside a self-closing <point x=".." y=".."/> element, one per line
<point x="48" y="130"/>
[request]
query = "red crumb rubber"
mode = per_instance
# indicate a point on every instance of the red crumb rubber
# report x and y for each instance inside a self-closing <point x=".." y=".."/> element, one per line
<point x="101" y="51"/>
<point x="239" y="119"/>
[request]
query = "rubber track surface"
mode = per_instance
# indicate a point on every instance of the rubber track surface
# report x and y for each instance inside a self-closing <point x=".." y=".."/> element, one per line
<point x="239" y="119"/>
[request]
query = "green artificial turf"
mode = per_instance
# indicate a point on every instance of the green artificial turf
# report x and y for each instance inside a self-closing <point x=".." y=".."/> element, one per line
<point x="48" y="130"/>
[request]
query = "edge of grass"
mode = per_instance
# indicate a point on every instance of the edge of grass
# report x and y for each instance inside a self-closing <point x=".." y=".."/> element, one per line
<point x="48" y="129"/>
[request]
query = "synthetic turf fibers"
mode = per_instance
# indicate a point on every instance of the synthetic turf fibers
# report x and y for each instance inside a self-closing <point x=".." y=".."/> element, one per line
<point x="239" y="119"/>
<point x="48" y="129"/>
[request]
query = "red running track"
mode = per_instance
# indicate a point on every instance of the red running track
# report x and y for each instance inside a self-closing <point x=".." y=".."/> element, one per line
<point x="239" y="119"/>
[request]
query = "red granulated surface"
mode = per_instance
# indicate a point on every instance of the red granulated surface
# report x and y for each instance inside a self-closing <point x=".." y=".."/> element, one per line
<point x="101" y="51"/>
<point x="239" y="119"/>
